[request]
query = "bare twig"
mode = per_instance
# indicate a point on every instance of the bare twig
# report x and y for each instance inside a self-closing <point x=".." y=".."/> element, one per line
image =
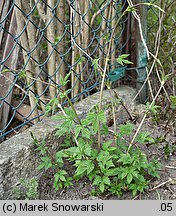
<point x="98" y="12"/>
<point x="140" y="26"/>
<point x="144" y="117"/>
<point x="170" y="167"/>
<point x="164" y="183"/>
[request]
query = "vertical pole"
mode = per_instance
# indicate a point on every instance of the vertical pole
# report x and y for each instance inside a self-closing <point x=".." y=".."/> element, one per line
<point x="5" y="84"/>
<point x="142" y="54"/>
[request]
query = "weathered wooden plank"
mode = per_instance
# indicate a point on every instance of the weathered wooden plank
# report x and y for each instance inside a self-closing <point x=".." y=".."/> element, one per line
<point x="1" y="6"/>
<point x="6" y="79"/>
<point x="142" y="53"/>
<point x="4" y="6"/>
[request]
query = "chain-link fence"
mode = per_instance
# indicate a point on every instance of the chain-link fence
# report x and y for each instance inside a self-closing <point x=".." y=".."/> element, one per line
<point x="42" y="41"/>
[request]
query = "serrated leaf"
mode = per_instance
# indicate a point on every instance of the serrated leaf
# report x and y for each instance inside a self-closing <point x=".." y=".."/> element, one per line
<point x="91" y="117"/>
<point x="129" y="178"/>
<point x="58" y="117"/>
<point x="102" y="187"/>
<point x="57" y="39"/>
<point x="122" y="59"/>
<point x="106" y="180"/>
<point x="61" y="132"/>
<point x="123" y="175"/>
<point x="135" y="174"/>
<point x="126" y="129"/>
<point x="109" y="164"/>
<point x="95" y="126"/>
<point x="58" y="157"/>
<point x="81" y="60"/>
<point x="127" y="62"/>
<point x="111" y="149"/>
<point x="134" y="192"/>
<point x="144" y="137"/>
<point x="46" y="163"/>
<point x="84" y="166"/>
<point x="95" y="64"/>
<point x="41" y="166"/>
<point x="101" y="116"/>
<point x="62" y="172"/>
<point x="97" y="180"/>
<point x="80" y="169"/>
<point x="64" y="81"/>
<point x="77" y="130"/>
<point x="62" y="178"/>
<point x="67" y="75"/>
<point x="90" y="167"/>
<point x="105" y="129"/>
<point x="56" y="186"/>
<point x="112" y="172"/>
<point x="85" y="122"/>
<point x="88" y="150"/>
<point x="86" y="133"/>
<point x="70" y="151"/>
<point x="94" y="153"/>
<point x="6" y="71"/>
<point x="123" y="56"/>
<point x="125" y="159"/>
<point x="106" y="145"/>
<point x="56" y="177"/>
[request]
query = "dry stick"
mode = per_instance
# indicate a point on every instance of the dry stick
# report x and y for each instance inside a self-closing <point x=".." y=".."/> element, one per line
<point x="98" y="12"/>
<point x="60" y="12"/>
<point x="85" y="34"/>
<point x="157" y="46"/>
<point x="74" y="29"/>
<point x="51" y="65"/>
<point x="153" y="64"/>
<point x="16" y="85"/>
<point x="104" y="74"/>
<point x="170" y="180"/>
<point x="102" y="70"/>
<point x="149" y="84"/>
<point x="74" y="42"/>
<point x="170" y="167"/>
<point x="113" y="50"/>
<point x="140" y="27"/>
<point x="39" y="80"/>
<point x="79" y="67"/>
<point x="112" y="42"/>
<point x="160" y="82"/>
<point x="73" y="50"/>
<point x="102" y="40"/>
<point x="144" y="43"/>
<point x="106" y="60"/>
<point x="144" y="117"/>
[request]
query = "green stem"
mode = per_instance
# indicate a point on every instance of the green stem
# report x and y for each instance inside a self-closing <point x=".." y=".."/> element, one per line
<point x="74" y="110"/>
<point x="104" y="75"/>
